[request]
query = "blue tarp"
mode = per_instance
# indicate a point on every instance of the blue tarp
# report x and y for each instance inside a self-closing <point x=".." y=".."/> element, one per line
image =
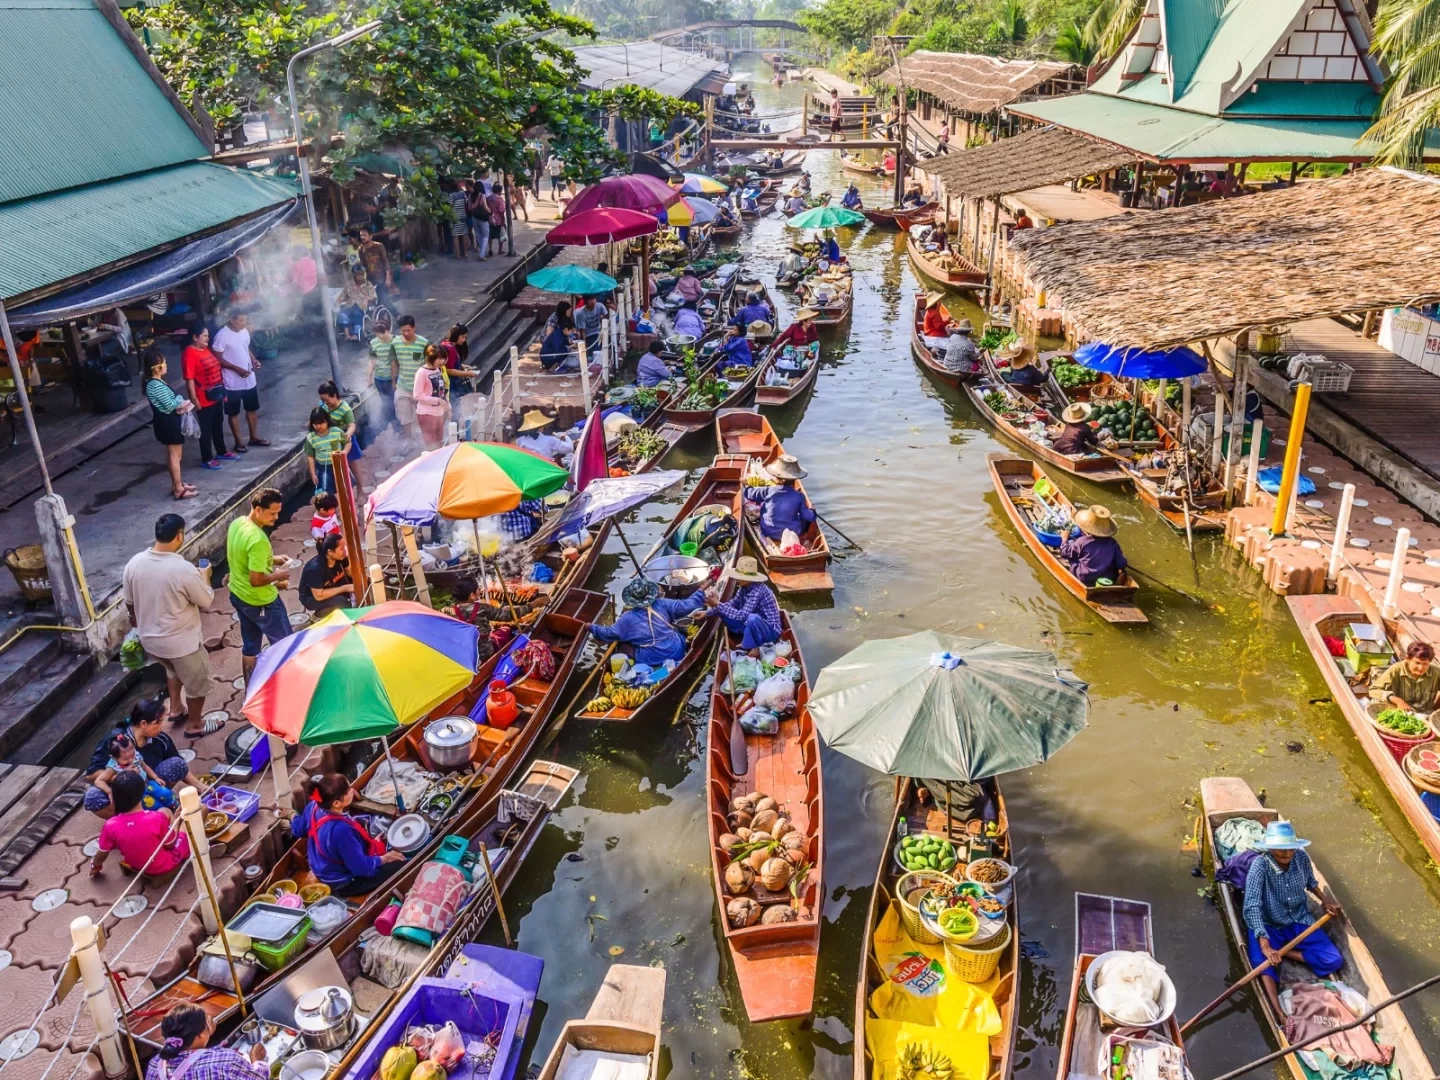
<point x="1140" y="363"/>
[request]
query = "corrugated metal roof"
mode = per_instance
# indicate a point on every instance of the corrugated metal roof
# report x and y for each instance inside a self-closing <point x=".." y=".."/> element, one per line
<point x="1246" y="34"/>
<point x="646" y="64"/>
<point x="78" y="107"/>
<point x="1188" y="28"/>
<point x="53" y="238"/>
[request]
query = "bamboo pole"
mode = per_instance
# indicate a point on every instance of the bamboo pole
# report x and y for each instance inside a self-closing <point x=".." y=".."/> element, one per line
<point x="1253" y="472"/>
<point x="85" y="944"/>
<point x="412" y="552"/>
<point x="190" y="812"/>
<point x="495" y="892"/>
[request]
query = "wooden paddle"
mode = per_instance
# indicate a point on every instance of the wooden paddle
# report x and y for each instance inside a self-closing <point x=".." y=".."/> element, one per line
<point x="1254" y="974"/>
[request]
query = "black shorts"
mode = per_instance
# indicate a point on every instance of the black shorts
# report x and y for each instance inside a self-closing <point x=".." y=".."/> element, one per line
<point x="167" y="427"/>
<point x="235" y="398"/>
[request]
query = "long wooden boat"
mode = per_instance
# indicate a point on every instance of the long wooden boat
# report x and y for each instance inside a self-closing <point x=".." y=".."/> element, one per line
<point x="924" y="814"/>
<point x="491" y="822"/>
<point x="1226" y="797"/>
<point x="625" y="1019"/>
<point x="737" y="302"/>
<point x="688" y="419"/>
<point x="775" y="963"/>
<point x="925" y="356"/>
<point x="860" y="167"/>
<point x="1103" y="924"/>
<point x="720" y="485"/>
<point x="1015" y="480"/>
<point x="959" y="275"/>
<point x="745" y="433"/>
<point x="903" y="217"/>
<point x="720" y="233"/>
<point x="771" y="395"/>
<point x="764" y="202"/>
<point x="836" y="310"/>
<point x="1206" y="511"/>
<point x="1320" y="617"/>
<point x="496" y="755"/>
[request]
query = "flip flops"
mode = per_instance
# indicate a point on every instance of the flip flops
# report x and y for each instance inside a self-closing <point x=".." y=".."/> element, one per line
<point x="212" y="725"/>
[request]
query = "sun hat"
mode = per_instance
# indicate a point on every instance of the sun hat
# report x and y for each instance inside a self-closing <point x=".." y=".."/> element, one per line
<point x="640" y="592"/>
<point x="805" y="313"/>
<point x="964" y="327"/>
<point x="798" y="248"/>
<point x="1077" y="413"/>
<point x="786" y="467"/>
<point x="1096" y="521"/>
<point x="760" y="328"/>
<point x="745" y="569"/>
<point x="1019" y="354"/>
<point x="933" y="298"/>
<point x="535" y="420"/>
<point x="1280" y="836"/>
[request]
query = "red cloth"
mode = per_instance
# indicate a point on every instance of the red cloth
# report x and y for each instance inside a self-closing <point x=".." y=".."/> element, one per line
<point x="203" y="366"/>
<point x="797" y="335"/>
<point x="937" y="321"/>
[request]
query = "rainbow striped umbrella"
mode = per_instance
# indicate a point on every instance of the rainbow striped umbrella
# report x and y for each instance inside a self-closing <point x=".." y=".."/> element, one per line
<point x="465" y="480"/>
<point x="360" y="673"/>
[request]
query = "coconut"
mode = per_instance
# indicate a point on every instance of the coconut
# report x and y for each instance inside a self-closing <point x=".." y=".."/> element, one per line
<point x="761" y="838"/>
<point x="743" y="833"/>
<point x="739" y="877"/>
<point x="740" y="819"/>
<point x="775" y="874"/>
<point x="781" y="827"/>
<point x="728" y="841"/>
<point x="763" y="820"/>
<point x="757" y="796"/>
<point x="794" y="856"/>
<point x="779" y="913"/>
<point x="765" y="802"/>
<point x="756" y="859"/>
<point x="743" y="802"/>
<point x="742" y="912"/>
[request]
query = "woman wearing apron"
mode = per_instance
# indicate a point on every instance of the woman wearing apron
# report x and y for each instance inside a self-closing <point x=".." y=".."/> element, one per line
<point x="185" y="1055"/>
<point x="340" y="850"/>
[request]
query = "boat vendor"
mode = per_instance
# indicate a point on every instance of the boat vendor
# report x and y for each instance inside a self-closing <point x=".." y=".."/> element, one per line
<point x="776" y="159"/>
<point x="801" y="333"/>
<point x="325" y="582"/>
<point x="851" y="199"/>
<point x="782" y="506"/>
<point x="938" y="324"/>
<point x="755" y="310"/>
<point x="1075" y="435"/>
<point x="1412" y="683"/>
<point x="749" y="200"/>
<point x="1094" y="554"/>
<point x="753" y="615"/>
<point x="961" y="355"/>
<point x="689" y="286"/>
<point x="1023" y="369"/>
<point x="648" y="622"/>
<point x="727" y="214"/>
<point x="688" y="321"/>
<point x="1276" y="908"/>
<point x="532" y="436"/>
<point x="830" y="248"/>
<point x="794" y="203"/>
<point x="340" y="850"/>
<point x="188" y="1030"/>
<point x="914" y="196"/>
<point x="736" y="347"/>
<point x="653" y="370"/>
<point x="803" y="184"/>
<point x="471" y="606"/>
<point x="794" y="264"/>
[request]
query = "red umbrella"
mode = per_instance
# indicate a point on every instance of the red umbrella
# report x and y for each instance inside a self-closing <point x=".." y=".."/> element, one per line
<point x="643" y="193"/>
<point x="602" y="225"/>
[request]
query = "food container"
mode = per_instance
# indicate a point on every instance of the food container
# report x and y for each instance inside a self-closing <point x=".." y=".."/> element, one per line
<point x="328" y="915"/>
<point x="912" y="888"/>
<point x="216" y="823"/>
<point x="310" y="894"/>
<point x="974" y="963"/>
<point x="1167" y="990"/>
<point x="677" y="575"/>
<point x="267" y="923"/>
<point x="325" y="1016"/>
<point x="408" y="834"/>
<point x="289" y="900"/>
<point x="306" y="1065"/>
<point x="277" y="955"/>
<point x="902" y="868"/>
<point x="214" y="969"/>
<point x="240" y="804"/>
<point x="451" y="741"/>
<point x="996" y="887"/>
<point x="285" y="885"/>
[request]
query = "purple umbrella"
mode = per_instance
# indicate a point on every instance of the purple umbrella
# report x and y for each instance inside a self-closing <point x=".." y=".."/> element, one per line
<point x="643" y="193"/>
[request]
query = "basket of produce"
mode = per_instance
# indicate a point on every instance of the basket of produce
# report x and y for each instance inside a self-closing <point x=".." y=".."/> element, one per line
<point x="992" y="875"/>
<point x="925" y="851"/>
<point x="1399" y="729"/>
<point x="1422" y="766"/>
<point x="976" y="963"/>
<point x="913" y="888"/>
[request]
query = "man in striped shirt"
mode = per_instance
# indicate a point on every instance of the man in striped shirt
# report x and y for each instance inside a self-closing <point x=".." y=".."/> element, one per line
<point x="409" y="352"/>
<point x="1277" y="909"/>
<point x="753" y="615"/>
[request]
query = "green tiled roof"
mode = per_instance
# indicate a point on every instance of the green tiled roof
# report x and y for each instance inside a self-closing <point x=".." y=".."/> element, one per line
<point x="78" y="107"/>
<point x="1230" y="50"/>
<point x="53" y="238"/>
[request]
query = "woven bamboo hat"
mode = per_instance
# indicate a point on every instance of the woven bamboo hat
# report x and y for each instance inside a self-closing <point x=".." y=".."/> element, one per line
<point x="1077" y="413"/>
<point x="1096" y="521"/>
<point x="535" y="420"/>
<point x="745" y="569"/>
<point x="1019" y="355"/>
<point x="933" y="298"/>
<point x="786" y="467"/>
<point x="805" y="313"/>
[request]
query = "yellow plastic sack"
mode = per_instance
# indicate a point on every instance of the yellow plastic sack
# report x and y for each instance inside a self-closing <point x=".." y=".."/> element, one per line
<point x="919" y="990"/>
<point x="901" y="1049"/>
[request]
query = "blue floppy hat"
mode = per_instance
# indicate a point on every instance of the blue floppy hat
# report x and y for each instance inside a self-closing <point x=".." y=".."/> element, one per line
<point x="1280" y="836"/>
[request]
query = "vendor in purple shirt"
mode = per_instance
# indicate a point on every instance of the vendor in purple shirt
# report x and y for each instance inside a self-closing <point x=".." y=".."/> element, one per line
<point x="339" y="849"/>
<point x="752" y="615"/>
<point x="653" y="370"/>
<point x="1093" y="552"/>
<point x="782" y="506"/>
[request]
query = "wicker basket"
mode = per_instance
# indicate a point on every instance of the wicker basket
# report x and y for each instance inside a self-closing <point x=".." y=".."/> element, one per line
<point x="27" y="563"/>
<point x="1398" y="745"/>
<point x="913" y="883"/>
<point x="1421" y="777"/>
<point x="975" y="964"/>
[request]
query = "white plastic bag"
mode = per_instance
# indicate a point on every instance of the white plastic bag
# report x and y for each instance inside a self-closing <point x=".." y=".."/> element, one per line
<point x="777" y="693"/>
<point x="760" y="721"/>
<point x="189" y="425"/>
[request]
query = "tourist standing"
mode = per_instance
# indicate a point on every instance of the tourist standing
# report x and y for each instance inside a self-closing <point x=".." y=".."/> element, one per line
<point x="166" y="408"/>
<point x="376" y="261"/>
<point x="237" y="359"/>
<point x="499" y="227"/>
<point x="164" y="595"/>
<point x="556" y="169"/>
<point x="254" y="577"/>
<point x="383" y="368"/>
<point x="324" y="447"/>
<point x="459" y="199"/>
<point x="206" y="386"/>
<point x="432" y="403"/>
<point x="409" y="350"/>
<point x="478" y="205"/>
<point x="944" y="138"/>
<point x="837" y="111"/>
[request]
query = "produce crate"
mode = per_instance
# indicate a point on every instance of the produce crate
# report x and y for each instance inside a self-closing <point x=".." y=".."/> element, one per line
<point x="1327" y="376"/>
<point x="1366" y="647"/>
<point x="275" y="957"/>
<point x="1265" y="434"/>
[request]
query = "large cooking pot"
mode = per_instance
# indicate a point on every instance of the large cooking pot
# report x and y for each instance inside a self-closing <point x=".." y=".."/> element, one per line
<point x="451" y="741"/>
<point x="214" y="970"/>
<point x="324" y="1016"/>
<point x="677" y="575"/>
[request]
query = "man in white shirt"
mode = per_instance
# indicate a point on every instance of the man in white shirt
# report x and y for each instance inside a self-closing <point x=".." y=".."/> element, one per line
<point x="532" y="436"/>
<point x="238" y="365"/>
<point x="165" y="595"/>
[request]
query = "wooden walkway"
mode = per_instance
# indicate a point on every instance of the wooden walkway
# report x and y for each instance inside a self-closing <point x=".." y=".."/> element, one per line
<point x="34" y="801"/>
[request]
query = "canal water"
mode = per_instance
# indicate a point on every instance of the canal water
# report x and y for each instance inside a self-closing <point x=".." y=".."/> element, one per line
<point x="1219" y="688"/>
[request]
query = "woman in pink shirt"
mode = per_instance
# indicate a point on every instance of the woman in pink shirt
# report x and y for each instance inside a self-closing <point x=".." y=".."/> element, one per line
<point x="140" y="835"/>
<point x="498" y="224"/>
<point x="432" y="406"/>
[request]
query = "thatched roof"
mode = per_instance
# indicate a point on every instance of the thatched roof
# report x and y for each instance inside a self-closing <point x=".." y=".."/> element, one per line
<point x="970" y="82"/>
<point x="1043" y="156"/>
<point x="1159" y="278"/>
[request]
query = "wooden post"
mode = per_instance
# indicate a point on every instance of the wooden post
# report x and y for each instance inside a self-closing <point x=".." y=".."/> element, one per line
<point x="604" y="352"/>
<point x="1185" y="412"/>
<point x="514" y="383"/>
<point x="280" y="772"/>
<point x="1253" y="472"/>
<point x="974" y="255"/>
<point x="1219" y="429"/>
<point x="350" y="529"/>
<point x="1342" y="531"/>
<point x="901" y="149"/>
<point x="85" y="945"/>
<point x="990" y="261"/>
<point x="377" y="586"/>
<point x="412" y="553"/>
<point x="710" y="133"/>
<point x="1294" y="172"/>
<point x="200" y="855"/>
<point x="645" y="273"/>
<point x="804" y="118"/>
<point x="584" y="376"/>
<point x="1397" y="574"/>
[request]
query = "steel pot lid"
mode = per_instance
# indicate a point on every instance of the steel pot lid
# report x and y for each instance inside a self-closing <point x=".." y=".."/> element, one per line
<point x="314" y="1008"/>
<point x="408" y="833"/>
<point x="451" y="731"/>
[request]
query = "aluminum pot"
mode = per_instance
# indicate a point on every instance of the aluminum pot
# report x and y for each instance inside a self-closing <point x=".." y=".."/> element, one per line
<point x="451" y="741"/>
<point x="214" y="971"/>
<point x="325" y="1016"/>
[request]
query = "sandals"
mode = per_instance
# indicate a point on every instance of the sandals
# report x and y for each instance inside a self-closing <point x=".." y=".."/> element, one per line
<point x="260" y="442"/>
<point x="212" y="725"/>
<point x="187" y="494"/>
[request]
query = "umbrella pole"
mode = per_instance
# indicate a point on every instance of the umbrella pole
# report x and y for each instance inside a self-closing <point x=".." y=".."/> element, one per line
<point x="949" y="821"/>
<point x="484" y="582"/>
<point x="395" y="780"/>
<point x="628" y="549"/>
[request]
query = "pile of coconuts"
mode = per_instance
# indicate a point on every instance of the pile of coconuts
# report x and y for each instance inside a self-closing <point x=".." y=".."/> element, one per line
<point x="764" y="848"/>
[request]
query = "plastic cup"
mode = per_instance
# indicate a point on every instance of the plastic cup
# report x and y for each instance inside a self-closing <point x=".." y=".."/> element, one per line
<point x="688" y="550"/>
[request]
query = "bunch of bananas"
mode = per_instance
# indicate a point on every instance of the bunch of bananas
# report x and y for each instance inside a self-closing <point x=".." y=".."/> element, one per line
<point x="629" y="697"/>
<point x="601" y="704"/>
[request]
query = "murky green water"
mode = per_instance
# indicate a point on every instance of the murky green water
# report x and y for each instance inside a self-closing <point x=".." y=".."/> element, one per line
<point x="898" y="462"/>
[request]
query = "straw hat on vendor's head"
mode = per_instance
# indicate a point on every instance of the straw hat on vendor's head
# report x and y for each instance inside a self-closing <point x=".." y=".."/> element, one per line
<point x="1077" y="413"/>
<point x="1095" y="521"/>
<point x="933" y="298"/>
<point x="786" y="467"/>
<point x="806" y="313"/>
<point x="640" y="593"/>
<point x="1280" y="836"/>
<point x="535" y="420"/>
<point x="1019" y="355"/>
<point x="745" y="569"/>
<point x="798" y="248"/>
<point x="964" y="326"/>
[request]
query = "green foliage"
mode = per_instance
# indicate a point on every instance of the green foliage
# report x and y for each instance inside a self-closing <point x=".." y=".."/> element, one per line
<point x="847" y="23"/>
<point x="1407" y="39"/>
<point x="1111" y="23"/>
<point x="949" y="34"/>
<point x="1011" y="25"/>
<point x="1073" y="45"/>
<point x="862" y="67"/>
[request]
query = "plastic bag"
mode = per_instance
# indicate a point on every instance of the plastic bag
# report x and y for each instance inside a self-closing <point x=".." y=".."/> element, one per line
<point x="132" y="653"/>
<point x="189" y="425"/>
<point x="760" y="721"/>
<point x="777" y="693"/>
<point x="745" y="674"/>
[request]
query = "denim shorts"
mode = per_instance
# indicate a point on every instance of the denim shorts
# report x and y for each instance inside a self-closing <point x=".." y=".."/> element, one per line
<point x="272" y="621"/>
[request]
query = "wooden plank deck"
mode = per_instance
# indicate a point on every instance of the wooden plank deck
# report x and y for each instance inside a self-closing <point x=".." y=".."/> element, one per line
<point x="33" y="802"/>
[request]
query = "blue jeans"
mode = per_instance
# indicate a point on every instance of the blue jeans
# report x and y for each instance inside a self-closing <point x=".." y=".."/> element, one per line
<point x="385" y="395"/>
<point x="351" y="319"/>
<point x="752" y="627"/>
<point x="272" y="621"/>
<point x="481" y="230"/>
<point x="1318" y="951"/>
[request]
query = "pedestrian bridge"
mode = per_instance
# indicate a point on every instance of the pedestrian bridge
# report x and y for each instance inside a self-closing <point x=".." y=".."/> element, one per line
<point x="728" y="24"/>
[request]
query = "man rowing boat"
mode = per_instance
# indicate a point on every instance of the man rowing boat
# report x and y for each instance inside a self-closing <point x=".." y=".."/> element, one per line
<point x="1094" y="555"/>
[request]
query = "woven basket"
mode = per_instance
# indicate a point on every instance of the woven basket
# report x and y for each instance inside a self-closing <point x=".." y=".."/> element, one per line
<point x="918" y="882"/>
<point x="27" y="563"/>
<point x="1422" y="778"/>
<point x="976" y="964"/>
<point x="1398" y="745"/>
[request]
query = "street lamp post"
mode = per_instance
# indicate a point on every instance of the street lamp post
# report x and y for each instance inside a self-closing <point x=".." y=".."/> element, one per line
<point x="509" y="201"/>
<point x="309" y="195"/>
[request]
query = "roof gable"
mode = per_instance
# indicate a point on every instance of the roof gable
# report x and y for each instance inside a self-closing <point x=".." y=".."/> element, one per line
<point x="1188" y="27"/>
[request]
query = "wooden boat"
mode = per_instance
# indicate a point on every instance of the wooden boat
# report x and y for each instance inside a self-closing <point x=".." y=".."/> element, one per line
<point x="720" y="485"/>
<point x="692" y="419"/>
<point x="624" y="1020"/>
<point x="776" y="396"/>
<point x="764" y="202"/>
<point x="497" y="755"/>
<point x="860" y="166"/>
<point x="903" y="217"/>
<point x="928" y="817"/>
<point x="1207" y="511"/>
<point x="1323" y="616"/>
<point x="958" y="275"/>
<point x="508" y="842"/>
<point x="745" y="433"/>
<point x="1103" y="924"/>
<point x="774" y="964"/>
<point x="737" y="301"/>
<point x="837" y="309"/>
<point x="725" y="232"/>
<point x="1015" y="480"/>
<point x="654" y="421"/>
<point x="926" y="357"/>
<point x="1226" y="797"/>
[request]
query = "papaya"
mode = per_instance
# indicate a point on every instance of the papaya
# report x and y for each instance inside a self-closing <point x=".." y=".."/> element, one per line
<point x="399" y="1063"/>
<point x="428" y="1070"/>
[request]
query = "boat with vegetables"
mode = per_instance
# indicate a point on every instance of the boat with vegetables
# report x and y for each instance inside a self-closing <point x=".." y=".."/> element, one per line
<point x="766" y="824"/>
<point x="945" y="268"/>
<point x="639" y="449"/>
<point x="786" y="374"/>
<point x="710" y="521"/>
<point x="925" y="356"/>
<point x="1226" y="798"/>
<point x="1349" y="649"/>
<point x="1042" y="515"/>
<point x="619" y="1038"/>
<point x="963" y="932"/>
<point x="707" y="390"/>
<point x="746" y="435"/>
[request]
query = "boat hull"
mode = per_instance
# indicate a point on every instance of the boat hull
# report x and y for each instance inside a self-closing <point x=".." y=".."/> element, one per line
<point x="965" y="276"/>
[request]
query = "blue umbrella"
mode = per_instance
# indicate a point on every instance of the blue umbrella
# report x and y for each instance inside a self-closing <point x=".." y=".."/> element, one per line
<point x="1140" y="363"/>
<point x="573" y="280"/>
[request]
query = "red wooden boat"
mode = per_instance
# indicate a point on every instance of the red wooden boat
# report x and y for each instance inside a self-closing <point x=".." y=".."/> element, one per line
<point x="925" y="356"/>
<point x="903" y="217"/>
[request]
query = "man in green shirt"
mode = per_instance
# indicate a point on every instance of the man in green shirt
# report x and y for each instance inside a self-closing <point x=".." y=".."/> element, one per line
<point x="409" y="358"/>
<point x="254" y="574"/>
<point x="1412" y="683"/>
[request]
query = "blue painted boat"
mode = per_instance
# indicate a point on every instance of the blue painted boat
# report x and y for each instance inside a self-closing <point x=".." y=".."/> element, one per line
<point x="505" y="974"/>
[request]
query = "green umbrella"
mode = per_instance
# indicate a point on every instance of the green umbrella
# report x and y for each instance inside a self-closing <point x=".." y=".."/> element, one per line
<point x="825" y="217"/>
<point x="574" y="280"/>
<point x="945" y="707"/>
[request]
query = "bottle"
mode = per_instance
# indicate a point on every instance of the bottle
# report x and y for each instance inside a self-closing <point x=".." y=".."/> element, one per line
<point x="902" y="829"/>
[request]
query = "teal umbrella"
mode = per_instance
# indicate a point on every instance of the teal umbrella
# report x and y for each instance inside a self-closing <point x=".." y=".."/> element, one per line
<point x="948" y="708"/>
<point x="574" y="280"/>
<point x="825" y="217"/>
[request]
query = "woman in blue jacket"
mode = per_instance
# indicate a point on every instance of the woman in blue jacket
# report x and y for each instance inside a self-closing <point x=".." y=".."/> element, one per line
<point x="341" y="852"/>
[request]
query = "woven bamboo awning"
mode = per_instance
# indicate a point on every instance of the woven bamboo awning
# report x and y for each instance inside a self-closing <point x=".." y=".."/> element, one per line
<point x="971" y="82"/>
<point x="1044" y="156"/>
<point x="1160" y="278"/>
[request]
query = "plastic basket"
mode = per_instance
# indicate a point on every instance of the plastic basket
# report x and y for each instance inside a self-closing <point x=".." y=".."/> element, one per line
<point x="27" y="563"/>
<point x="915" y="882"/>
<point x="275" y="957"/>
<point x="248" y="802"/>
<point x="975" y="964"/>
<point x="1328" y="376"/>
<point x="1426" y="780"/>
<point x="1398" y="745"/>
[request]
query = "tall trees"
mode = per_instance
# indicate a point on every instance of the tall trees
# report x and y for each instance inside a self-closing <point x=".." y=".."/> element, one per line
<point x="1407" y="38"/>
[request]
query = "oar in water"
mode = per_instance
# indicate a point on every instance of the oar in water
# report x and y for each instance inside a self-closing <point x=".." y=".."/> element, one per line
<point x="832" y="525"/>
<point x="1254" y="973"/>
<point x="1166" y="585"/>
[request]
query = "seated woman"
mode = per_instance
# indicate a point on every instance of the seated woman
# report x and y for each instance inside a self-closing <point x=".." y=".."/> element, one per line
<point x="1023" y="369"/>
<point x="648" y="623"/>
<point x="938" y="324"/>
<point x="471" y="607"/>
<point x="653" y="370"/>
<point x="1094" y="554"/>
<point x="688" y="321"/>
<point x="913" y="195"/>
<point x="354" y="299"/>
<point x="137" y="746"/>
<point x="795" y="203"/>
<point x="557" y="348"/>
<point x="736" y="348"/>
<point x="1412" y="683"/>
<point x="188" y="1030"/>
<point x="142" y="836"/>
<point x="325" y="580"/>
<point x="783" y="505"/>
<point x="1075" y="435"/>
<point x="340" y="850"/>
<point x="830" y="248"/>
<point x="753" y="615"/>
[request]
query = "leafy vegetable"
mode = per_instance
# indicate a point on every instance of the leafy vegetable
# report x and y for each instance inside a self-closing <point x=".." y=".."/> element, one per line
<point x="1402" y="722"/>
<point x="1069" y="374"/>
<point x="637" y="445"/>
<point x="997" y="337"/>
<point x="644" y="399"/>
